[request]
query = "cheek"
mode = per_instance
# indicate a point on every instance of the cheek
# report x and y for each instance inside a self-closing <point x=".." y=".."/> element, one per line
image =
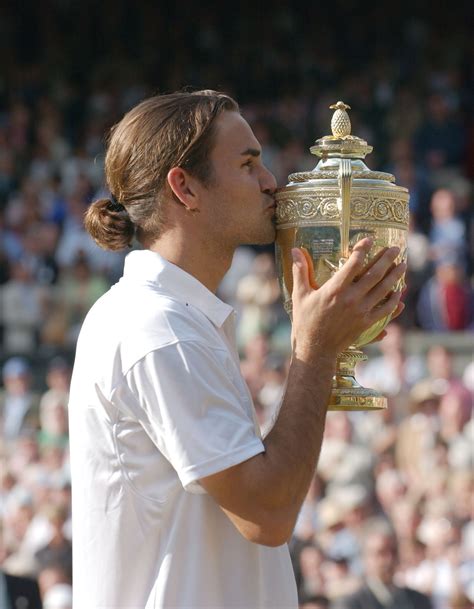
<point x="244" y="181"/>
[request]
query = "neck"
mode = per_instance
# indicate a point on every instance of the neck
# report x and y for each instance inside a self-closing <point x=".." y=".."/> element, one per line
<point x="205" y="260"/>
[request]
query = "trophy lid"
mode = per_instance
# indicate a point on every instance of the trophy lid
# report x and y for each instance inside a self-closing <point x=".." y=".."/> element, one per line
<point x="341" y="143"/>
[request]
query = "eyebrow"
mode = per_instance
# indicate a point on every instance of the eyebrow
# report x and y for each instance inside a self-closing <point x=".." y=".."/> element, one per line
<point x="251" y="152"/>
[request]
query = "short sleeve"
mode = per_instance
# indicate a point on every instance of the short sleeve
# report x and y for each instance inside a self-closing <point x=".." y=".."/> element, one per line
<point x="194" y="410"/>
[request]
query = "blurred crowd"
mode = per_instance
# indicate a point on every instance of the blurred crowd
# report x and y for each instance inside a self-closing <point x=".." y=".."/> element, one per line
<point x="403" y="473"/>
<point x="391" y="506"/>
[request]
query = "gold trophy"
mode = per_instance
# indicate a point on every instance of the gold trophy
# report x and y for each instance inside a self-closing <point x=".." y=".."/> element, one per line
<point x="326" y="211"/>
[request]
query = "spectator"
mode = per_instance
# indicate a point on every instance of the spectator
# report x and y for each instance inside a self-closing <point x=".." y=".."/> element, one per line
<point x="445" y="301"/>
<point x="58" y="597"/>
<point x="59" y="548"/>
<point x="22" y="306"/>
<point x="311" y="560"/>
<point x="339" y="580"/>
<point x="343" y="461"/>
<point x="78" y="288"/>
<point x="259" y="296"/>
<point x="447" y="233"/>
<point x="58" y="377"/>
<point x="16" y="591"/>
<point x="439" y="140"/>
<point x="18" y="403"/>
<point x="316" y="601"/>
<point x="379" y="590"/>
<point x="51" y="576"/>
<point x="394" y="372"/>
<point x="417" y="434"/>
<point x="440" y="364"/>
<point x="307" y="523"/>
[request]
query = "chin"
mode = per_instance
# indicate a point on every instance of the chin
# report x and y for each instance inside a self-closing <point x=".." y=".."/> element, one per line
<point x="264" y="234"/>
<point x="263" y="239"/>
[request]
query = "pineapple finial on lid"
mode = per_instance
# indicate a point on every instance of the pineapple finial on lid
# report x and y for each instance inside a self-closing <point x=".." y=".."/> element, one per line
<point x="340" y="122"/>
<point x="341" y="142"/>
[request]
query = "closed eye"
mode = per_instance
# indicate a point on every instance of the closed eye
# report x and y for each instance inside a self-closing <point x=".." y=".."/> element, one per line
<point x="251" y="154"/>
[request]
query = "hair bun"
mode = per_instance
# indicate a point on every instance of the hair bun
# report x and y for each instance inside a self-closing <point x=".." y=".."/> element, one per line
<point x="109" y="224"/>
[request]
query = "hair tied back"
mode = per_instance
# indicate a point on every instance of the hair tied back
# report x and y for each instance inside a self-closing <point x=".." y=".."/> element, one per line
<point x="114" y="205"/>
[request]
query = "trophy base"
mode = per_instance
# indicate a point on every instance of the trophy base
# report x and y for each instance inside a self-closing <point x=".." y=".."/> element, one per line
<point x="346" y="393"/>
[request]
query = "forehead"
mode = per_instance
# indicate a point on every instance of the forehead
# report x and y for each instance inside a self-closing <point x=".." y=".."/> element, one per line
<point x="233" y="136"/>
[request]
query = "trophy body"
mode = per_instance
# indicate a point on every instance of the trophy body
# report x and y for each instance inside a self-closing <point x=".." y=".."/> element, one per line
<point x="326" y="211"/>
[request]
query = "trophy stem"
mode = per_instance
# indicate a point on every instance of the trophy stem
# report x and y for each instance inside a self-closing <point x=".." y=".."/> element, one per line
<point x="347" y="393"/>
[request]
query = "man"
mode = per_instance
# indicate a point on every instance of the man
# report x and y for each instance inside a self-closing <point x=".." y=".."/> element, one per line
<point x="379" y="591"/>
<point x="18" y="592"/>
<point x="18" y="403"/>
<point x="177" y="500"/>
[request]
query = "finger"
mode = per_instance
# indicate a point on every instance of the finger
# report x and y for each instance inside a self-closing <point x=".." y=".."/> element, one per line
<point x="386" y="308"/>
<point x="387" y="284"/>
<point x="300" y="274"/>
<point x="355" y="263"/>
<point x="395" y="314"/>
<point x="399" y="310"/>
<point x="378" y="271"/>
<point x="371" y="262"/>
<point x="379" y="337"/>
<point x="309" y="261"/>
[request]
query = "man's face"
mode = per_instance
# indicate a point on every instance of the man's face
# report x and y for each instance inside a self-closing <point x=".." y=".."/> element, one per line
<point x="238" y="204"/>
<point x="380" y="557"/>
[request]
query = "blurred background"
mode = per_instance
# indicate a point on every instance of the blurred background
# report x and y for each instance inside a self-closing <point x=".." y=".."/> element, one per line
<point x="401" y="478"/>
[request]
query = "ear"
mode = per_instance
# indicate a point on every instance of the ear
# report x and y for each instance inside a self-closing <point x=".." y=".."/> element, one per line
<point x="182" y="186"/>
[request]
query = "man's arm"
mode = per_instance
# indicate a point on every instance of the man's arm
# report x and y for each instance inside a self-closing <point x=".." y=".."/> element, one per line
<point x="263" y="495"/>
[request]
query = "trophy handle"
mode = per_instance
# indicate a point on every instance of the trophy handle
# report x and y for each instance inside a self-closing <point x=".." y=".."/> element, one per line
<point x="344" y="205"/>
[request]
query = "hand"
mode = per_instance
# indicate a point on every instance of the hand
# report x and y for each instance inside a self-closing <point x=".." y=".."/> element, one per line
<point x="329" y="319"/>
<point x="398" y="311"/>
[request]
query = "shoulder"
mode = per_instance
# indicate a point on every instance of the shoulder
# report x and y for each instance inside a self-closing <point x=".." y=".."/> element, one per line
<point x="420" y="600"/>
<point x="162" y="322"/>
<point x="144" y="310"/>
<point x="356" y="600"/>
<point x="125" y="325"/>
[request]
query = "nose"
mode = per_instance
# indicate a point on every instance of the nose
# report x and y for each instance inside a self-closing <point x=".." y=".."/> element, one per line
<point x="268" y="183"/>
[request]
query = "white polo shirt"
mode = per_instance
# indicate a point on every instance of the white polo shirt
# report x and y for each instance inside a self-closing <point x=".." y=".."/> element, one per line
<point x="158" y="402"/>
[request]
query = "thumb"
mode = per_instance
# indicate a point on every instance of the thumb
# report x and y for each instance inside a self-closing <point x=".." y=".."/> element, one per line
<point x="300" y="273"/>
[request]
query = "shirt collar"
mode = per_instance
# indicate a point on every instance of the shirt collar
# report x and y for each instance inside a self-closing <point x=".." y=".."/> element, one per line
<point x="148" y="266"/>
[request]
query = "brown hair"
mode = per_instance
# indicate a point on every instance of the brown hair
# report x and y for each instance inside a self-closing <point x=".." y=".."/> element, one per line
<point x="175" y="130"/>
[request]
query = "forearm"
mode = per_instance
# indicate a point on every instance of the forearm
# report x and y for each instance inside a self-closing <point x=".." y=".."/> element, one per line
<point x="293" y="445"/>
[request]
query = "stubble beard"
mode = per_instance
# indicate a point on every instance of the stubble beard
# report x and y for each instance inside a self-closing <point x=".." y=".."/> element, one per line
<point x="265" y="236"/>
<point x="262" y="234"/>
